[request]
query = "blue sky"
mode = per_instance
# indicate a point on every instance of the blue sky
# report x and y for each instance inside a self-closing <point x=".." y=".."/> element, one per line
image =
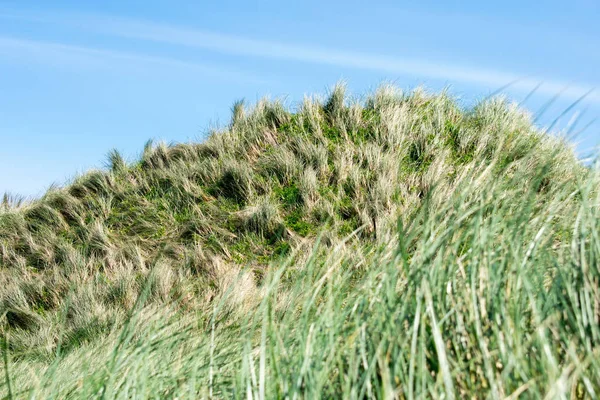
<point x="78" y="79"/>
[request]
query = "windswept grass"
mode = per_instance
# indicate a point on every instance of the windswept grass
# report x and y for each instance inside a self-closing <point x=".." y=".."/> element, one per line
<point x="398" y="247"/>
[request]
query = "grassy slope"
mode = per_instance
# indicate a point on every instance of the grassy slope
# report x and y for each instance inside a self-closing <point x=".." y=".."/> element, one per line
<point x="399" y="246"/>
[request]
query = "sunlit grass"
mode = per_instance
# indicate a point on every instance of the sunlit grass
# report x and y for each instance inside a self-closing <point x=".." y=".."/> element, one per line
<point x="400" y="247"/>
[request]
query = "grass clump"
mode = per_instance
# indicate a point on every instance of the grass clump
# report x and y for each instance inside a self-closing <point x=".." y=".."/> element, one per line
<point x="400" y="247"/>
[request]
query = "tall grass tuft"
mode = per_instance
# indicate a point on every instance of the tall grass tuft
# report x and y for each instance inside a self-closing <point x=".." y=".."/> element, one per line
<point x="400" y="247"/>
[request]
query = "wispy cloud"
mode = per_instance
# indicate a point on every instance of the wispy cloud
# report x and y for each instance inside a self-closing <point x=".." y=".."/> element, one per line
<point x="327" y="56"/>
<point x="83" y="56"/>
<point x="236" y="45"/>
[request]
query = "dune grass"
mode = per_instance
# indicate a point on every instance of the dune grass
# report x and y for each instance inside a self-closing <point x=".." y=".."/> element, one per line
<point x="399" y="246"/>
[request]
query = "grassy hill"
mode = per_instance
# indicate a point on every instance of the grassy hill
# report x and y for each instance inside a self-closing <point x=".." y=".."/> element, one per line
<point x="398" y="246"/>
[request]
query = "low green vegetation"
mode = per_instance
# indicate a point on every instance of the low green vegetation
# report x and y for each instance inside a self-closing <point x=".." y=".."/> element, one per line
<point x="400" y="246"/>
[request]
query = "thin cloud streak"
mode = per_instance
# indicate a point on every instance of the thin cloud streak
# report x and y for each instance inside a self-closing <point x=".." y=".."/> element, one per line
<point x="236" y="45"/>
<point x="274" y="50"/>
<point x="51" y="52"/>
